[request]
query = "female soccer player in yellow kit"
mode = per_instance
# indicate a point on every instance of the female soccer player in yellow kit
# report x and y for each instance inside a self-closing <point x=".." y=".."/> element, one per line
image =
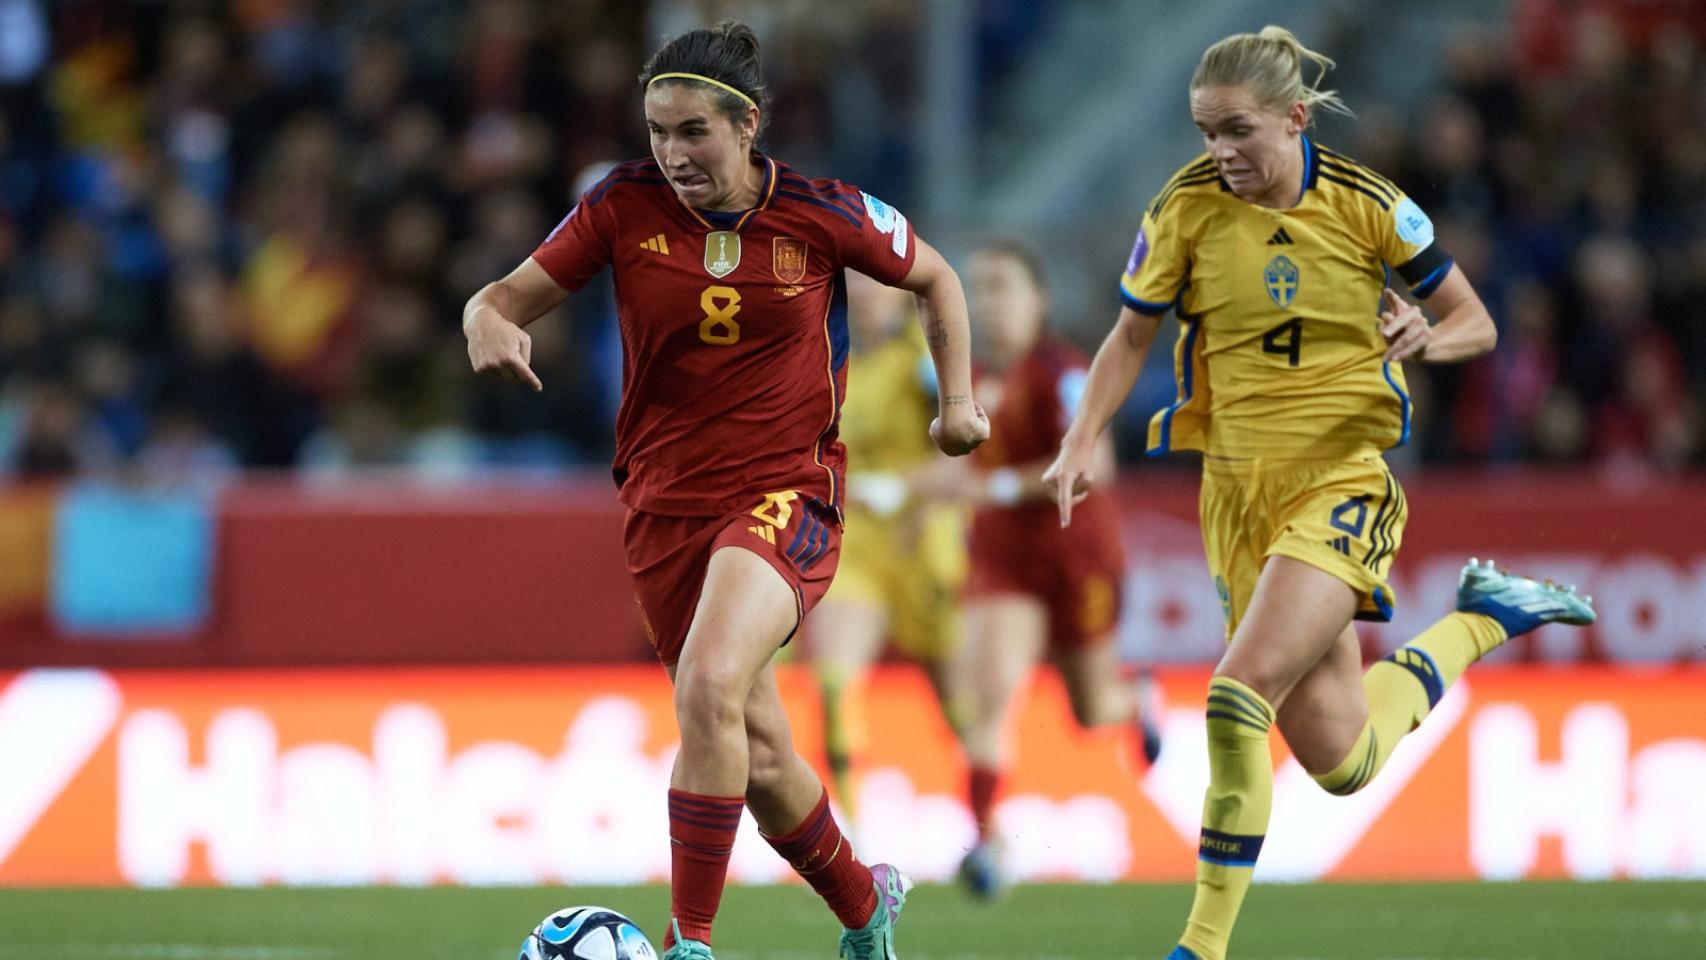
<point x="903" y="551"/>
<point x="1276" y="254"/>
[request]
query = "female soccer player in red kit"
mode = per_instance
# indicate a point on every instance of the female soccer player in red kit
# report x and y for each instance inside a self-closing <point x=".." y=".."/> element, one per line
<point x="1034" y="586"/>
<point x="732" y="309"/>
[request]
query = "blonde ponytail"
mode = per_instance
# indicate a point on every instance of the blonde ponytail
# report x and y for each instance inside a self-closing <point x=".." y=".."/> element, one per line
<point x="1270" y="64"/>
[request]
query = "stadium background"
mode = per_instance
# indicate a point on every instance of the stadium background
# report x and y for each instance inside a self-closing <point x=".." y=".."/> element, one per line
<point x="324" y="608"/>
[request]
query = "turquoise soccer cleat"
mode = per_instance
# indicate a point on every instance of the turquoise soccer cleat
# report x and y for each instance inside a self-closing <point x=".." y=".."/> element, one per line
<point x="1519" y="603"/>
<point x="686" y="949"/>
<point x="1182" y="952"/>
<point x="875" y="940"/>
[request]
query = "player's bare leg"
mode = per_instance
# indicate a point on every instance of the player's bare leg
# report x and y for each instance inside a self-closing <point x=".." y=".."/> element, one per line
<point x="844" y="639"/>
<point x="1325" y="712"/>
<point x="782" y="788"/>
<point x="950" y="682"/>
<point x="1101" y="697"/>
<point x="1346" y="727"/>
<point x="1295" y="617"/>
<point x="792" y="809"/>
<point x="1006" y="637"/>
<point x="744" y="612"/>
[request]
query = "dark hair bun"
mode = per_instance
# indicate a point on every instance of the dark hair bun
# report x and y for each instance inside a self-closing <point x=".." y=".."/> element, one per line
<point x="726" y="53"/>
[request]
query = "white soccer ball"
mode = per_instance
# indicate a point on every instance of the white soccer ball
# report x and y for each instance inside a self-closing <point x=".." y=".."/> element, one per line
<point x="587" y="933"/>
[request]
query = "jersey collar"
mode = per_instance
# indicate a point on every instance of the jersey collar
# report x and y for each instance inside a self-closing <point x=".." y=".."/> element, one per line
<point x="732" y="220"/>
<point x="1311" y="161"/>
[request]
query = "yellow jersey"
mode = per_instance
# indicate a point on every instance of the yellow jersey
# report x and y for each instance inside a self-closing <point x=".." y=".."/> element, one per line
<point x="891" y="399"/>
<point x="1279" y="352"/>
<point x="908" y="558"/>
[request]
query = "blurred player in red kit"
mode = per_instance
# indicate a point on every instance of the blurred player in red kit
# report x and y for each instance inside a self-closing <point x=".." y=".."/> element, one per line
<point x="732" y="308"/>
<point x="1034" y="586"/>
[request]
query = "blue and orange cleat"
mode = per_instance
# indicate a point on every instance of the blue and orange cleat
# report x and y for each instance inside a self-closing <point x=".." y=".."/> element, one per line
<point x="875" y="940"/>
<point x="1519" y="604"/>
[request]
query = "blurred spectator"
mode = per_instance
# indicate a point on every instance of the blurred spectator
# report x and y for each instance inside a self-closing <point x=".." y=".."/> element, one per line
<point x="242" y="234"/>
<point x="1577" y="152"/>
<point x="54" y="436"/>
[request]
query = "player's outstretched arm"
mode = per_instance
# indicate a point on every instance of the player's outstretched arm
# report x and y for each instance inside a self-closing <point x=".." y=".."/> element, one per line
<point x="1030" y="482"/>
<point x="960" y="425"/>
<point x="1112" y="375"/>
<point x="493" y="318"/>
<point x="1465" y="330"/>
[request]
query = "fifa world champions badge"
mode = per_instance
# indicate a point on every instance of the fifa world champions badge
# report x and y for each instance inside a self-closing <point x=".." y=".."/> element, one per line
<point x="722" y="253"/>
<point x="788" y="259"/>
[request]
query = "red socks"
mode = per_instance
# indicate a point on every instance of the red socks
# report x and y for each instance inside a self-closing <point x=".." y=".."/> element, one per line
<point x="818" y="852"/>
<point x="980" y="790"/>
<point x="701" y="834"/>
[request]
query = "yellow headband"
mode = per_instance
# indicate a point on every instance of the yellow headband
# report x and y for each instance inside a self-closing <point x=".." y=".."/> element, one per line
<point x="695" y="76"/>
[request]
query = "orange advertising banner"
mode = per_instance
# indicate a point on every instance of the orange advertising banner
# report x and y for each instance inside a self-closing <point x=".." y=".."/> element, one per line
<point x="558" y="774"/>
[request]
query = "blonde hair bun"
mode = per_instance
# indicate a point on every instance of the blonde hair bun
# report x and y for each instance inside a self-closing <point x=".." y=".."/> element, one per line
<point x="1270" y="64"/>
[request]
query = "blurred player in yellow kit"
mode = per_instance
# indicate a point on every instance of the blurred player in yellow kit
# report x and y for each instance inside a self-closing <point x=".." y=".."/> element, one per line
<point x="903" y="555"/>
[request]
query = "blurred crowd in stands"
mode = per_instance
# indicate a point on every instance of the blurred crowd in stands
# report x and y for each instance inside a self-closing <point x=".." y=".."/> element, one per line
<point x="239" y="235"/>
<point x="1565" y="164"/>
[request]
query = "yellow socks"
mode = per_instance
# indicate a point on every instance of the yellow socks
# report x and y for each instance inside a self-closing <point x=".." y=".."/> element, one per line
<point x="1402" y="688"/>
<point x="840" y="739"/>
<point x="1235" y="813"/>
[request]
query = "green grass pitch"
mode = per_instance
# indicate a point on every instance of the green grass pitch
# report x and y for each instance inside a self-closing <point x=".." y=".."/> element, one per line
<point x="1518" y="921"/>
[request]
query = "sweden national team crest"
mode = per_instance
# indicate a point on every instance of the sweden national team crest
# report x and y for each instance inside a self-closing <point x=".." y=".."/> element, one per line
<point x="1281" y="279"/>
<point x="722" y="253"/>
<point x="788" y="259"/>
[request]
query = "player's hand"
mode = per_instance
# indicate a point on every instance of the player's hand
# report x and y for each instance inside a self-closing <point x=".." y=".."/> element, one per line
<point x="1068" y="478"/>
<point x="1404" y="326"/>
<point x="496" y="346"/>
<point x="960" y="427"/>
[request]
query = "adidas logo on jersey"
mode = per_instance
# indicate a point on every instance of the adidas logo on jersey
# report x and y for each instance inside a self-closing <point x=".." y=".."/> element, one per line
<point x="1280" y="236"/>
<point x="767" y="534"/>
<point x="1341" y="544"/>
<point x="656" y="244"/>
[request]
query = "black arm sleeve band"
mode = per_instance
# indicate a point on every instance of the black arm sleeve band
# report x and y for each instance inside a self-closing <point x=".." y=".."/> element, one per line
<point x="1425" y="271"/>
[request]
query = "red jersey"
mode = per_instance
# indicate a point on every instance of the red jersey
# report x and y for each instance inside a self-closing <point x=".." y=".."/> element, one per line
<point x="1036" y="400"/>
<point x="1030" y="407"/>
<point x="1020" y="547"/>
<point x="734" y="330"/>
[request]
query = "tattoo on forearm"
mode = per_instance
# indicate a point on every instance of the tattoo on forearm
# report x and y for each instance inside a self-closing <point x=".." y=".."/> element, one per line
<point x="935" y="335"/>
<point x="954" y="398"/>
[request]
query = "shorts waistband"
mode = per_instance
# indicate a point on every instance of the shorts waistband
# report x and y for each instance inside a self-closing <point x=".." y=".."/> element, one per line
<point x="1256" y="468"/>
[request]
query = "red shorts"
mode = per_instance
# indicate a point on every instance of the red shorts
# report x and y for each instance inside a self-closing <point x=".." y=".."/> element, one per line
<point x="1076" y="572"/>
<point x="667" y="557"/>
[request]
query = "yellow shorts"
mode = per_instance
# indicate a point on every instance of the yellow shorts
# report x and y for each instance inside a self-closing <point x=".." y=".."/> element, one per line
<point x="1342" y="516"/>
<point x="912" y="567"/>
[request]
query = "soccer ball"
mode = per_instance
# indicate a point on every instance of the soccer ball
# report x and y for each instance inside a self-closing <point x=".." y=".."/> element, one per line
<point x="587" y="933"/>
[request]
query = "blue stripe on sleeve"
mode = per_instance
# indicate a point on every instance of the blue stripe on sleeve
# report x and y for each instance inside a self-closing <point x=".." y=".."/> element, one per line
<point x="1143" y="306"/>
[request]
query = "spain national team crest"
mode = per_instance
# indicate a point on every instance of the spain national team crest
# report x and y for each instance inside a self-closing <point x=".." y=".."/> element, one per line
<point x="1281" y="278"/>
<point x="722" y="253"/>
<point x="788" y="259"/>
